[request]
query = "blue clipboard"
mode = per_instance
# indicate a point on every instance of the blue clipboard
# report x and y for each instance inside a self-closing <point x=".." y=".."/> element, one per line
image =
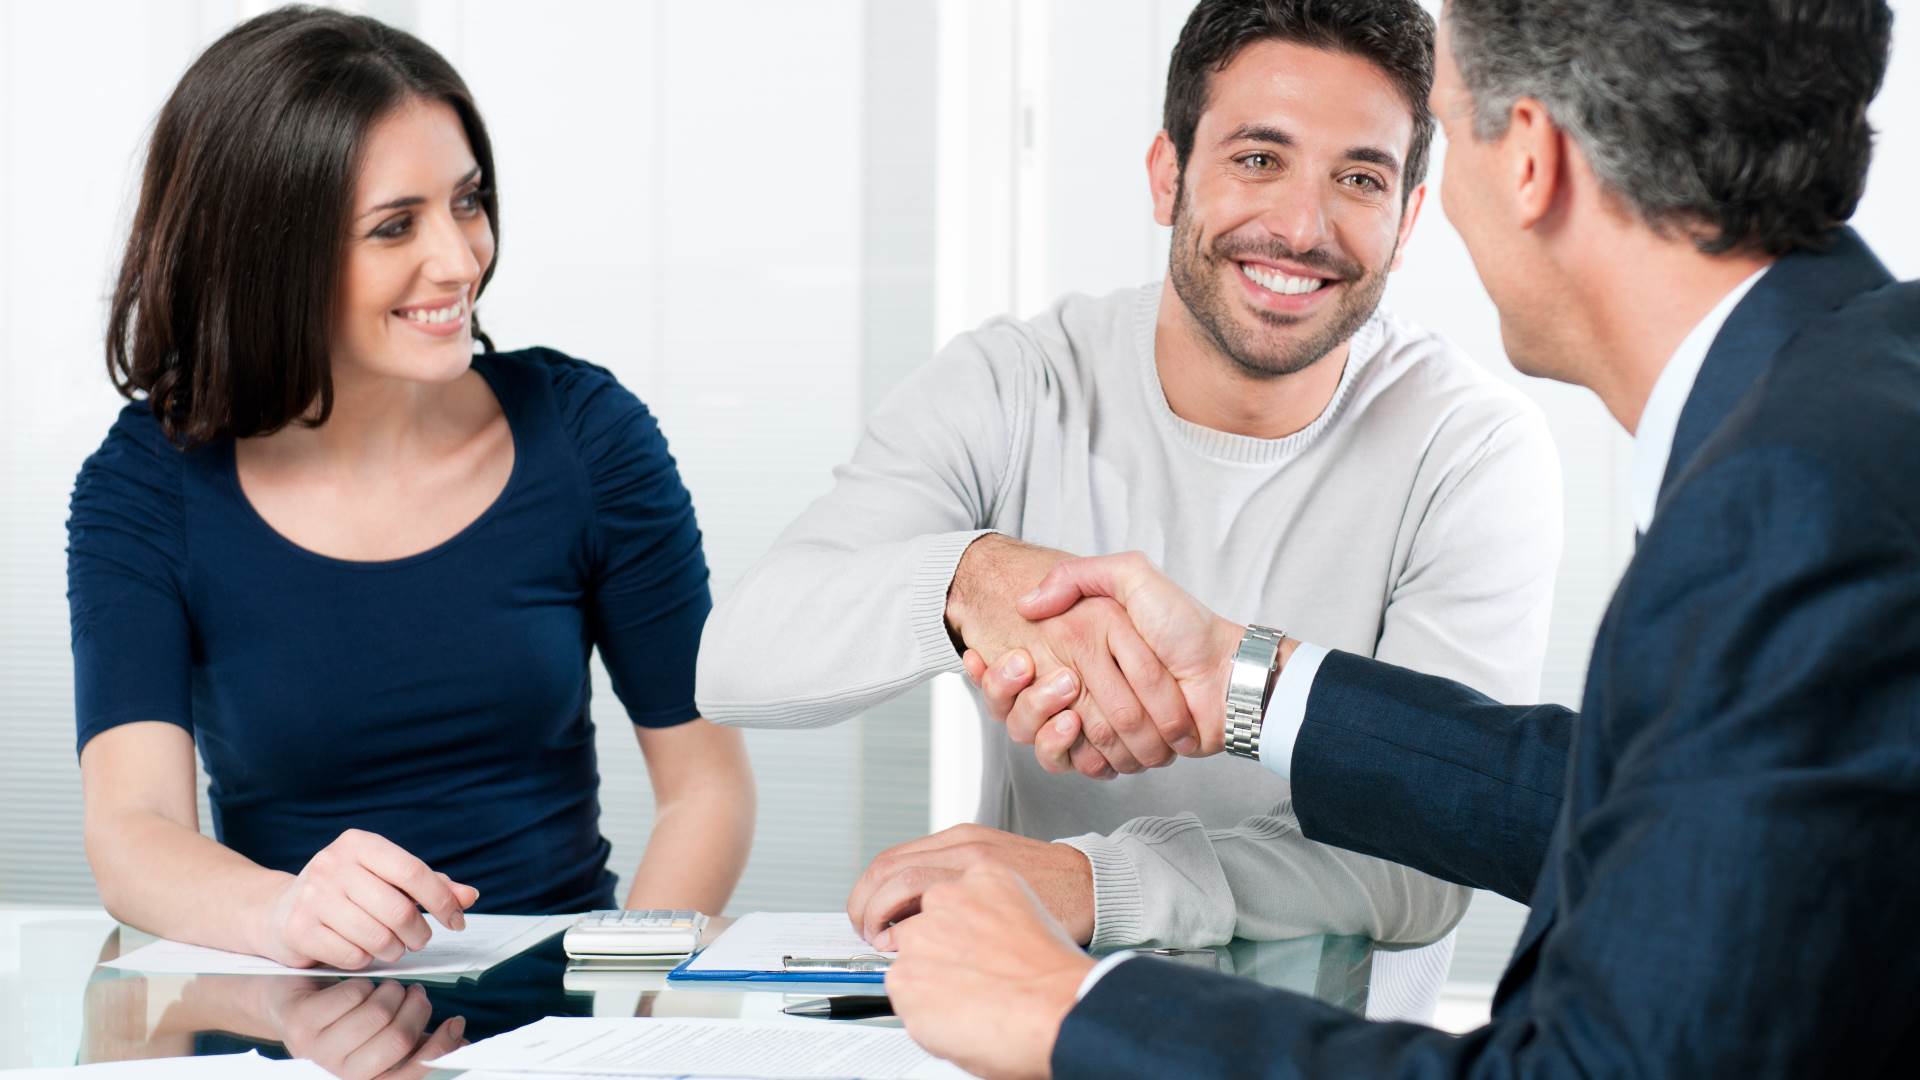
<point x="681" y="974"/>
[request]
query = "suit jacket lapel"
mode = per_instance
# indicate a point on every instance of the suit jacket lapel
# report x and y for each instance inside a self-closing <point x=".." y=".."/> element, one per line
<point x="1795" y="291"/>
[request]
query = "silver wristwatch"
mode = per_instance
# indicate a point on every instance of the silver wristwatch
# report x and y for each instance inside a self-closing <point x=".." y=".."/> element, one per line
<point x="1249" y="684"/>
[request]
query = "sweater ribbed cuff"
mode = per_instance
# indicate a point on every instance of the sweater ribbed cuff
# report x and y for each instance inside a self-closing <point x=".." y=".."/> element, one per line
<point x="1118" y="911"/>
<point x="927" y="599"/>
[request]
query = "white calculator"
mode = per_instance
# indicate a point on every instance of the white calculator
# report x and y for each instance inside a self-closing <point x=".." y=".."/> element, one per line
<point x="634" y="935"/>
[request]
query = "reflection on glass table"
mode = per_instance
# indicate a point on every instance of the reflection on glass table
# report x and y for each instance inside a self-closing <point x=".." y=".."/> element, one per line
<point x="57" y="1007"/>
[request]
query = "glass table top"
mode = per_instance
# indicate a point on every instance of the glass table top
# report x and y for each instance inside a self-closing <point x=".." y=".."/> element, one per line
<point x="59" y="1007"/>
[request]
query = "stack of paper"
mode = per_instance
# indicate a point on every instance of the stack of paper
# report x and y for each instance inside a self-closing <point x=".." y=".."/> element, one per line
<point x="566" y="1048"/>
<point x="487" y="940"/>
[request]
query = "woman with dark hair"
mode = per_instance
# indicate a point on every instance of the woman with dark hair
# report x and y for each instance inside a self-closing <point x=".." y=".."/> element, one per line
<point x="359" y="566"/>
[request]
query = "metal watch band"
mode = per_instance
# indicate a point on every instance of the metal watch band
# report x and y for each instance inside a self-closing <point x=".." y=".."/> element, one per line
<point x="1249" y="684"/>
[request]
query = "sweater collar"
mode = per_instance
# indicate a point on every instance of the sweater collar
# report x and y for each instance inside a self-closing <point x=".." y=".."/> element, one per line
<point x="1224" y="445"/>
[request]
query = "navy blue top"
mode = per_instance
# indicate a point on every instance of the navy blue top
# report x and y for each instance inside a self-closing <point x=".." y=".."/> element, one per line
<point x="439" y="700"/>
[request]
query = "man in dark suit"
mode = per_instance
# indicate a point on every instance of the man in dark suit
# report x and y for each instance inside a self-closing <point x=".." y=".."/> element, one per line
<point x="1722" y="848"/>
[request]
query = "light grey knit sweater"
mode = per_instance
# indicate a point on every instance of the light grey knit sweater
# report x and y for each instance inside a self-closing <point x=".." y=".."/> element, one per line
<point x="1418" y="519"/>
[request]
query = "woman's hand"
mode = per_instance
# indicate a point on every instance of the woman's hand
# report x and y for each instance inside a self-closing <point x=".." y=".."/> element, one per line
<point x="357" y="901"/>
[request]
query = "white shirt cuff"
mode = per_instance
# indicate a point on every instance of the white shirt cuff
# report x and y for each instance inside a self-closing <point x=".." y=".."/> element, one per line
<point x="1100" y="970"/>
<point x="1287" y="708"/>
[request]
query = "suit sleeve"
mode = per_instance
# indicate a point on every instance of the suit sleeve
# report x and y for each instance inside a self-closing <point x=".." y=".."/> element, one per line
<point x="1431" y="774"/>
<point x="848" y="609"/>
<point x="1751" y="782"/>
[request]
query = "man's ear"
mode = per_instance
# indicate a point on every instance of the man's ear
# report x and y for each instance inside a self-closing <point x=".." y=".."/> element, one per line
<point x="1407" y="217"/>
<point x="1534" y="154"/>
<point x="1163" y="177"/>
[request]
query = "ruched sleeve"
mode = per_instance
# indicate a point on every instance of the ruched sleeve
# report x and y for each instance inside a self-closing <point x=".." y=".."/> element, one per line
<point x="649" y="594"/>
<point x="126" y="593"/>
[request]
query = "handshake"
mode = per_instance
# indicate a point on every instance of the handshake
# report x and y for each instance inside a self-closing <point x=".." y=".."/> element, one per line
<point x="1105" y="666"/>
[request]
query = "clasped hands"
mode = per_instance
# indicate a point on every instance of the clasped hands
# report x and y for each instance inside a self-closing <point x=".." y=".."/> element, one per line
<point x="1103" y="665"/>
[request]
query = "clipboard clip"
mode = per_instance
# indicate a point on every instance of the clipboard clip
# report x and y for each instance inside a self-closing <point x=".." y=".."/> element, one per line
<point x="857" y="962"/>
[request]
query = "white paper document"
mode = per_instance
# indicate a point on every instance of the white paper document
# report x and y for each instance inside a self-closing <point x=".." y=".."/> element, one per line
<point x="759" y="942"/>
<point x="248" y="1066"/>
<point x="639" y="1046"/>
<point x="487" y="940"/>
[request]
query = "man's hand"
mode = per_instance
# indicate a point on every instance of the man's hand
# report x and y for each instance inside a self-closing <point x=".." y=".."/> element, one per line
<point x="1195" y="646"/>
<point x="992" y="573"/>
<point x="893" y="887"/>
<point x="985" y="977"/>
<point x="1129" y="709"/>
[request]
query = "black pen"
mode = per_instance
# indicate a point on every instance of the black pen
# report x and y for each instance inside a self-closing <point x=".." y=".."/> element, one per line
<point x="846" y="1007"/>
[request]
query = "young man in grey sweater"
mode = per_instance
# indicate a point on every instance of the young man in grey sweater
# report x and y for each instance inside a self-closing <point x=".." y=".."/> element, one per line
<point x="1254" y="426"/>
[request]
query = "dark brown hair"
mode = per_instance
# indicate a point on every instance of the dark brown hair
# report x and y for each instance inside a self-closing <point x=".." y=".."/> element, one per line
<point x="1395" y="35"/>
<point x="223" y="312"/>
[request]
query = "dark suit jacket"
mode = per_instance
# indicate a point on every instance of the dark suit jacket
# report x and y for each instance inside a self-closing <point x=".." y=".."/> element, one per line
<point x="1722" y="849"/>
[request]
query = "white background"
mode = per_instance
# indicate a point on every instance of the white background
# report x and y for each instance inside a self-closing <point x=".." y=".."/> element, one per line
<point x="759" y="214"/>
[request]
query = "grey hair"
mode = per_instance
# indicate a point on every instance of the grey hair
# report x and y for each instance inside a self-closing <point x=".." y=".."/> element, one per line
<point x="1740" y="123"/>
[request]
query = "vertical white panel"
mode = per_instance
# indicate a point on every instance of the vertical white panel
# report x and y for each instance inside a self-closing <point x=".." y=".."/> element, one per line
<point x="898" y="151"/>
<point x="973" y="186"/>
<point x="1033" y="59"/>
<point x="981" y="156"/>
<point x="760" y="239"/>
<point x="954" y="761"/>
<point x="571" y="106"/>
<point x="69" y="174"/>
<point x="759" y="299"/>
<point x="1100" y="110"/>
